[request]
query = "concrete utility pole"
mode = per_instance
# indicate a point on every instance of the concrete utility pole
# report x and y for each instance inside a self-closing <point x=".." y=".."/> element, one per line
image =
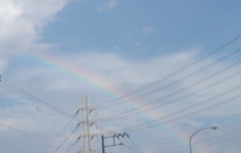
<point x="114" y="143"/>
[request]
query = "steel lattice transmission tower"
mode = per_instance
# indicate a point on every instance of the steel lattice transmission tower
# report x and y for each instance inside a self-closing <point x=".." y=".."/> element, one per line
<point x="87" y="122"/>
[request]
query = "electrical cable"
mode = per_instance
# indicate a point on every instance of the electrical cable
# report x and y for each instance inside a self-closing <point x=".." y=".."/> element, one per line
<point x="61" y="131"/>
<point x="176" y="100"/>
<point x="35" y="99"/>
<point x="206" y="145"/>
<point x="207" y="24"/>
<point x="224" y="141"/>
<point x="176" y="148"/>
<point x="113" y="132"/>
<point x="110" y="103"/>
<point x="189" y="75"/>
<point x="30" y="134"/>
<point x="213" y="138"/>
<point x="65" y="139"/>
<point x="135" y="111"/>
<point x="134" y="145"/>
<point x="185" y="115"/>
<point x="71" y="146"/>
<point x="186" y="132"/>
<point x="216" y="137"/>
<point x="131" y="146"/>
<point x="229" y="150"/>
<point x="122" y="149"/>
<point x="204" y="39"/>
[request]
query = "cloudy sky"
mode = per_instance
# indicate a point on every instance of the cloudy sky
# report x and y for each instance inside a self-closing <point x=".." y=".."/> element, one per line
<point x="156" y="70"/>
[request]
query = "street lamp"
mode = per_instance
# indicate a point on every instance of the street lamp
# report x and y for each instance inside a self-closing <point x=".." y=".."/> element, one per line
<point x="212" y="127"/>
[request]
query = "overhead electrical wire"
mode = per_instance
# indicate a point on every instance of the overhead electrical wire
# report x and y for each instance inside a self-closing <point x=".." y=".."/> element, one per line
<point x="236" y="114"/>
<point x="207" y="140"/>
<point x="46" y="139"/>
<point x="130" y="147"/>
<point x="216" y="137"/>
<point x="135" y="111"/>
<point x="233" y="138"/>
<point x="31" y="97"/>
<point x="179" y="148"/>
<point x="189" y="75"/>
<point x="152" y="84"/>
<point x="65" y="139"/>
<point x="26" y="95"/>
<point x="208" y="23"/>
<point x="66" y="114"/>
<point x="134" y="145"/>
<point x="232" y="148"/>
<point x="134" y="149"/>
<point x="71" y="146"/>
<point x="135" y="127"/>
<point x="186" y="132"/>
<point x="122" y="149"/>
<point x="172" y="141"/>
<point x="211" y="144"/>
<point x="110" y="103"/>
<point x="170" y="102"/>
<point x="61" y="132"/>
<point x="160" y="141"/>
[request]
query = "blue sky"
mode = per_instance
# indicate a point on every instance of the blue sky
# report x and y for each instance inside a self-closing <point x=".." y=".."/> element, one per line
<point x="54" y="52"/>
<point x="141" y="29"/>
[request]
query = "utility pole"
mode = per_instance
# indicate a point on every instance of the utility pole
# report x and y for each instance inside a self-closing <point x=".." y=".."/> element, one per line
<point x="87" y="122"/>
<point x="114" y="143"/>
<point x="103" y="144"/>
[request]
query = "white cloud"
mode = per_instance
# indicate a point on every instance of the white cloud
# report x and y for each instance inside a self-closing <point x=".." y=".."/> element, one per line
<point x="3" y="64"/>
<point x="195" y="124"/>
<point x="22" y="23"/>
<point x="114" y="71"/>
<point x="147" y="30"/>
<point x="108" y="6"/>
<point x="137" y="44"/>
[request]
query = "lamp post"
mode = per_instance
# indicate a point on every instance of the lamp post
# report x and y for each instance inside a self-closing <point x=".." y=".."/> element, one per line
<point x="190" y="140"/>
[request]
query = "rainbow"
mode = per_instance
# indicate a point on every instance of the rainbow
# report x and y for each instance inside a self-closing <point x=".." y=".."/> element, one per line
<point x="100" y="83"/>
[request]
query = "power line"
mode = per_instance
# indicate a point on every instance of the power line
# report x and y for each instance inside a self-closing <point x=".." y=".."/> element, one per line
<point x="189" y="114"/>
<point x="64" y="141"/>
<point x="26" y="95"/>
<point x="134" y="145"/>
<point x="135" y="111"/>
<point x="225" y="140"/>
<point x="110" y="103"/>
<point x="71" y="146"/>
<point x="30" y="134"/>
<point x="205" y="140"/>
<point x="207" y="24"/>
<point x="61" y="132"/>
<point x="232" y="148"/>
<point x="180" y="98"/>
<point x="160" y="141"/>
<point x="216" y="137"/>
